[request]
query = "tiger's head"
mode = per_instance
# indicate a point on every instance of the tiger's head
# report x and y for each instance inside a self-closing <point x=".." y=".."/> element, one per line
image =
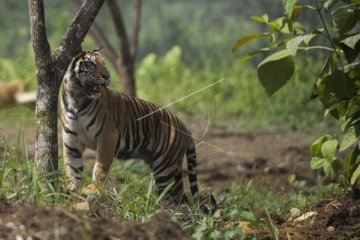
<point x="90" y="71"/>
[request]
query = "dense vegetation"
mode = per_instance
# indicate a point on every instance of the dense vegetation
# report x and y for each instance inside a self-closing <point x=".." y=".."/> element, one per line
<point x="184" y="47"/>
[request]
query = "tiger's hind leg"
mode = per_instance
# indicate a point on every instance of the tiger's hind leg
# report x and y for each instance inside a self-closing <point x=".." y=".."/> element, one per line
<point x="172" y="182"/>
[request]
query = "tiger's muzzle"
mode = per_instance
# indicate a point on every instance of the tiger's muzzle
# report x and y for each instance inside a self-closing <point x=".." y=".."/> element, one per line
<point x="93" y="87"/>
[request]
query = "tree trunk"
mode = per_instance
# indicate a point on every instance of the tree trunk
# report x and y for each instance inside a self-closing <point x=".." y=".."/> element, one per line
<point x="127" y="74"/>
<point x="49" y="73"/>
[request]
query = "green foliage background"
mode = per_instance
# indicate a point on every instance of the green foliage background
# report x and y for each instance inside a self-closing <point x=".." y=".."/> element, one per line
<point x="184" y="46"/>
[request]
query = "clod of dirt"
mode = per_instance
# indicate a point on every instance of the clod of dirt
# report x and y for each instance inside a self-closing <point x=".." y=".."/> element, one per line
<point x="333" y="205"/>
<point x="295" y="212"/>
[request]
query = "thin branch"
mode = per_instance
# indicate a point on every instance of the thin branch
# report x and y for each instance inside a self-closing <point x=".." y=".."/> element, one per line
<point x="136" y="29"/>
<point x="70" y="44"/>
<point x="120" y="31"/>
<point x="328" y="33"/>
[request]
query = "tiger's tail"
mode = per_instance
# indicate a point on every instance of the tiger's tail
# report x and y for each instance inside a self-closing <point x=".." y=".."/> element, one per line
<point x="191" y="163"/>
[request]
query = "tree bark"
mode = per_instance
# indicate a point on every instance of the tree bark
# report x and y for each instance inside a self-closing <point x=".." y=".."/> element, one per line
<point x="50" y="70"/>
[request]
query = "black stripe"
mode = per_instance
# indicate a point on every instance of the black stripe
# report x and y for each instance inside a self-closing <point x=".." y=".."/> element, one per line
<point x="84" y="106"/>
<point x="93" y="119"/>
<point x="77" y="170"/>
<point x="67" y="130"/>
<point x="74" y="152"/>
<point x="98" y="132"/>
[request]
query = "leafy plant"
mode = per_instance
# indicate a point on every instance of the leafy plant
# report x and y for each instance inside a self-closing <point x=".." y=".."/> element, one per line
<point x="337" y="84"/>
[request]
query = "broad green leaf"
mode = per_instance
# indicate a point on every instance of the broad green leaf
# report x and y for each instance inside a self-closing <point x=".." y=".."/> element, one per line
<point x="275" y="70"/>
<point x="293" y="45"/>
<point x="345" y="19"/>
<point x="309" y="37"/>
<point x="329" y="170"/>
<point x="355" y="175"/>
<point x="297" y="10"/>
<point x="351" y="54"/>
<point x="356" y="1"/>
<point x="339" y="84"/>
<point x="241" y="41"/>
<point x="289" y="6"/>
<point x="315" y="147"/>
<point x="351" y="41"/>
<point x="317" y="162"/>
<point x="349" y="139"/>
<point x="263" y="19"/>
<point x="328" y="149"/>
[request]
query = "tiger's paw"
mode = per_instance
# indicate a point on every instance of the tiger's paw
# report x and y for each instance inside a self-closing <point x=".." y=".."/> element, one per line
<point x="90" y="190"/>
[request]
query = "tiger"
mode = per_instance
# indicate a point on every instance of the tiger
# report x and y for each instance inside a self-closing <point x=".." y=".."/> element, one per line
<point x="119" y="126"/>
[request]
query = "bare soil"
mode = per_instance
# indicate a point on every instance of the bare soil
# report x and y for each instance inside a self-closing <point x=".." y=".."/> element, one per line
<point x="222" y="158"/>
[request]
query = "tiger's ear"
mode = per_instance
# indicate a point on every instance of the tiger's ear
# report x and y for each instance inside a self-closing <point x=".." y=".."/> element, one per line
<point x="81" y="54"/>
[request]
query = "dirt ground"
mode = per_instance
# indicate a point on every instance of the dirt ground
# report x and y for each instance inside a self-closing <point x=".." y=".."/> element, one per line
<point x="222" y="158"/>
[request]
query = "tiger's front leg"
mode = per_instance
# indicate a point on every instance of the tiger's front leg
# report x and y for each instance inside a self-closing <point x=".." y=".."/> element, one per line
<point x="105" y="155"/>
<point x="73" y="161"/>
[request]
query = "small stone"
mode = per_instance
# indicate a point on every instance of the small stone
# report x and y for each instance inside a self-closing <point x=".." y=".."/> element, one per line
<point x="295" y="212"/>
<point x="306" y="216"/>
<point x="330" y="228"/>
<point x="82" y="206"/>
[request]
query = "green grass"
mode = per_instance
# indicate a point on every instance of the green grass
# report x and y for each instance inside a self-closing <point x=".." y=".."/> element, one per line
<point x="130" y="195"/>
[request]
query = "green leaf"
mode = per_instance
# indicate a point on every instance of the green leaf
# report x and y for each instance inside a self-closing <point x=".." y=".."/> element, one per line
<point x="351" y="41"/>
<point x="356" y="1"/>
<point x="289" y="6"/>
<point x="328" y="149"/>
<point x="355" y="175"/>
<point x="309" y="37"/>
<point x="339" y="84"/>
<point x="315" y="147"/>
<point x="317" y="162"/>
<point x="277" y="23"/>
<point x="329" y="170"/>
<point x="275" y="70"/>
<point x="329" y="4"/>
<point x="263" y="19"/>
<point x="345" y="19"/>
<point x="349" y="139"/>
<point x="253" y="54"/>
<point x="351" y="54"/>
<point x="241" y="41"/>
<point x="293" y="45"/>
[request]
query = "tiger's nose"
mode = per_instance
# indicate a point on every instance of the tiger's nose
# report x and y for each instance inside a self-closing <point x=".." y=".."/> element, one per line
<point x="106" y="76"/>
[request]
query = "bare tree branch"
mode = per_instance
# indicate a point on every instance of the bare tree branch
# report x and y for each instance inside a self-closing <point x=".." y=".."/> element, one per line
<point x="121" y="31"/>
<point x="136" y="29"/>
<point x="70" y="44"/>
<point x="98" y="34"/>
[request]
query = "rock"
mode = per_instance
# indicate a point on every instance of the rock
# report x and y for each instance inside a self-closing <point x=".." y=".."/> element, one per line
<point x="330" y="228"/>
<point x="82" y="206"/>
<point x="295" y="212"/>
<point x="306" y="216"/>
